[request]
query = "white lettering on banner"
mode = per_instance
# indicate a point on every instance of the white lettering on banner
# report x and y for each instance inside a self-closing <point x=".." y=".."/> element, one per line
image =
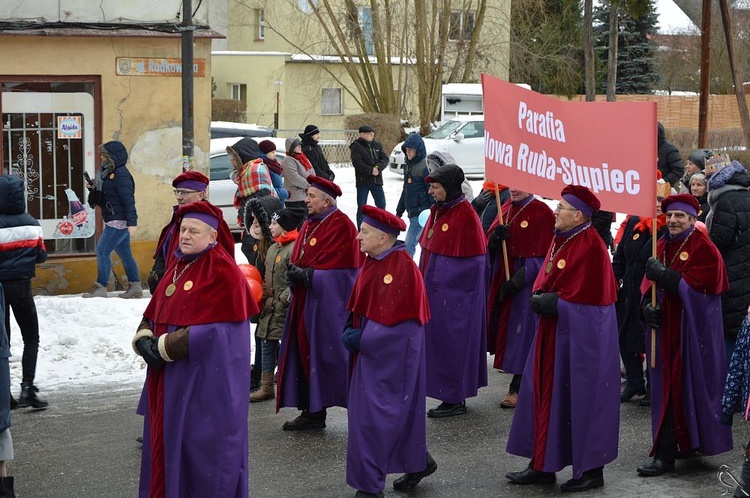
<point x="497" y="151"/>
<point x="543" y="124"/>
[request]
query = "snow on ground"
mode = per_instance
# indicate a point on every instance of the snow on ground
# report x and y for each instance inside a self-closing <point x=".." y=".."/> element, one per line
<point x="86" y="342"/>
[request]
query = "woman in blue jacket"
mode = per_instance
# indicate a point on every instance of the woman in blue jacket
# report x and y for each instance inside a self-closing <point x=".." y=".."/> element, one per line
<point x="120" y="220"/>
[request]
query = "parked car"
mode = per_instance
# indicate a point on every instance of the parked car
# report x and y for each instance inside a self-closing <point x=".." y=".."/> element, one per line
<point x="462" y="137"/>
<point x="221" y="188"/>
<point x="227" y="129"/>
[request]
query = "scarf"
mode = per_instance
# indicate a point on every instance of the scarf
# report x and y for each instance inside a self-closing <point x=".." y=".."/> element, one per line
<point x="644" y="224"/>
<point x="273" y="165"/>
<point x="301" y="157"/>
<point x="286" y="238"/>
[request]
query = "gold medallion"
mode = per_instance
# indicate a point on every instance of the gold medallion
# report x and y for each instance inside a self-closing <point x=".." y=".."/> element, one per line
<point x="170" y="289"/>
<point x="278" y="259"/>
<point x="684" y="256"/>
<point x="111" y="176"/>
<point x="388" y="279"/>
<point x="636" y="236"/>
<point x="429" y="234"/>
<point x="255" y="247"/>
<point x="548" y="267"/>
<point x="561" y="264"/>
<point x="408" y="180"/>
<point x="188" y="285"/>
<point x="313" y="241"/>
<point x="444" y="227"/>
<point x="524" y="224"/>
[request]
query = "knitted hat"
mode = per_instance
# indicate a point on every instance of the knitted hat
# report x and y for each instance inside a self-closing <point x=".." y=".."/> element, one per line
<point x="582" y="199"/>
<point x="291" y="144"/>
<point x="716" y="163"/>
<point x="261" y="208"/>
<point x="267" y="146"/>
<point x="289" y="218"/>
<point x="382" y="220"/>
<point x="310" y="130"/>
<point x="699" y="157"/>
<point x="192" y="180"/>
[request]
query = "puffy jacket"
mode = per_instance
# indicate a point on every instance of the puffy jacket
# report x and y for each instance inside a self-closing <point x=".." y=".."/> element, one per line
<point x="21" y="237"/>
<point x="275" y="292"/>
<point x="118" y="186"/>
<point x="365" y="156"/>
<point x="315" y="154"/>
<point x="670" y="162"/>
<point x="415" y="196"/>
<point x="728" y="225"/>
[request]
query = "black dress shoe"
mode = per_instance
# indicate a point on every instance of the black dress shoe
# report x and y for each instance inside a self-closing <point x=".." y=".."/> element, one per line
<point x="409" y="480"/>
<point x="531" y="476"/>
<point x="448" y="410"/>
<point x="655" y="468"/>
<point x="628" y="393"/>
<point x="306" y="421"/>
<point x="363" y="494"/>
<point x="589" y="480"/>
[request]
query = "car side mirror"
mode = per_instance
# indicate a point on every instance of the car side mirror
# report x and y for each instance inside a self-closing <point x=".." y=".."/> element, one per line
<point x="458" y="137"/>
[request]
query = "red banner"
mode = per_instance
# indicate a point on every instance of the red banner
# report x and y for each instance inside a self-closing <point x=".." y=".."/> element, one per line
<point x="539" y="144"/>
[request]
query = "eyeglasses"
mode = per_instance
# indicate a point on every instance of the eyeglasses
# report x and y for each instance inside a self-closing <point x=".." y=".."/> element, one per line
<point x="181" y="192"/>
<point x="560" y="207"/>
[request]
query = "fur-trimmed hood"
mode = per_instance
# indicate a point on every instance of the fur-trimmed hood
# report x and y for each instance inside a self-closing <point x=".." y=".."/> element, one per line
<point x="733" y="174"/>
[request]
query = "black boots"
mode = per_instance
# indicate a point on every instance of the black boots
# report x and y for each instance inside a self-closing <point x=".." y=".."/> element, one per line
<point x="6" y="487"/>
<point x="29" y="397"/>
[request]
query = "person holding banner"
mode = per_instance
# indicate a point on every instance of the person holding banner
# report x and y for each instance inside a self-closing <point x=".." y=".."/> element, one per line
<point x="453" y="264"/>
<point x="528" y="230"/>
<point x="568" y="409"/>
<point x="690" y="363"/>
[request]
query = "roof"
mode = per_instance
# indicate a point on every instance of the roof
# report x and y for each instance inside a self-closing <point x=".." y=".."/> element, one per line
<point x="335" y="59"/>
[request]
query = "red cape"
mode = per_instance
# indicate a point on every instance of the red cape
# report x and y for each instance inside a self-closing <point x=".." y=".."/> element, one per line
<point x="703" y="267"/>
<point x="531" y="230"/>
<point x="586" y="276"/>
<point x="390" y="290"/>
<point x="219" y="292"/>
<point x="456" y="231"/>
<point x="224" y="238"/>
<point x="332" y="245"/>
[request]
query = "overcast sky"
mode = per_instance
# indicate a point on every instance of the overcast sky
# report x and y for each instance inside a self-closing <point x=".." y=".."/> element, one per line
<point x="671" y="18"/>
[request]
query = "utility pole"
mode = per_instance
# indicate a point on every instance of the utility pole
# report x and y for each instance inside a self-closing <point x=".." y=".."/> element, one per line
<point x="739" y="90"/>
<point x="705" y="80"/>
<point x="188" y="132"/>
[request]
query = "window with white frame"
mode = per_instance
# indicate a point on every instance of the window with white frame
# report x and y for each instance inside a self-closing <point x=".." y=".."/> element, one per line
<point x="238" y="91"/>
<point x="461" y="25"/>
<point x="331" y="102"/>
<point x="260" y="22"/>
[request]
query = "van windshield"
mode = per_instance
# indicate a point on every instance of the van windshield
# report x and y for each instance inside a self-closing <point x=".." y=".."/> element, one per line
<point x="445" y="130"/>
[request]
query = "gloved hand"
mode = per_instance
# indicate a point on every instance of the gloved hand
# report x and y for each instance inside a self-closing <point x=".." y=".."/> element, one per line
<point x="544" y="303"/>
<point x="351" y="339"/>
<point x="299" y="276"/>
<point x="508" y="290"/>
<point x="498" y="235"/>
<point x="726" y="419"/>
<point x="152" y="281"/>
<point x="399" y="214"/>
<point x="149" y="349"/>
<point x="652" y="315"/>
<point x="667" y="279"/>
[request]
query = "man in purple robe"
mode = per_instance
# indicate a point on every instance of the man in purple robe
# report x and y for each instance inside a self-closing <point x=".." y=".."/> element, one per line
<point x="568" y="410"/>
<point x="195" y="338"/>
<point x="324" y="264"/>
<point x="688" y="380"/>
<point x="453" y="264"/>
<point x="385" y="335"/>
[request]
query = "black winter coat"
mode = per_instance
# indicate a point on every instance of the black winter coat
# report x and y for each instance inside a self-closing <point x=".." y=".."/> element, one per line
<point x="20" y="233"/>
<point x="670" y="163"/>
<point x="118" y="187"/>
<point x="728" y="225"/>
<point x="314" y="153"/>
<point x="629" y="266"/>
<point x="365" y="156"/>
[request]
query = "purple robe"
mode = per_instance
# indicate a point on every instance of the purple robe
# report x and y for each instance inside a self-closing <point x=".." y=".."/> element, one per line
<point x="522" y="322"/>
<point x="456" y="335"/>
<point x="387" y="428"/>
<point x="205" y="414"/>
<point x="325" y="316"/>
<point x="704" y="372"/>
<point x="585" y="407"/>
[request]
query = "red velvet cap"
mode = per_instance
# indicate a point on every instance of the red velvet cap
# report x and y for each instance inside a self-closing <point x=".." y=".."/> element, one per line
<point x="324" y="185"/>
<point x="382" y="220"/>
<point x="203" y="211"/>
<point x="681" y="202"/>
<point x="192" y="180"/>
<point x="582" y="199"/>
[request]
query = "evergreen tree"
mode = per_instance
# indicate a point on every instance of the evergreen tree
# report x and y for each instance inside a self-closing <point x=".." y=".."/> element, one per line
<point x="637" y="71"/>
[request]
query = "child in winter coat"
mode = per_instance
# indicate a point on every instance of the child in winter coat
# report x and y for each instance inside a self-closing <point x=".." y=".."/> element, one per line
<point x="275" y="296"/>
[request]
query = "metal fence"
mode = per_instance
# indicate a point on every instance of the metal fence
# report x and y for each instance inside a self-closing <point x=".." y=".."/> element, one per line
<point x="335" y="143"/>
